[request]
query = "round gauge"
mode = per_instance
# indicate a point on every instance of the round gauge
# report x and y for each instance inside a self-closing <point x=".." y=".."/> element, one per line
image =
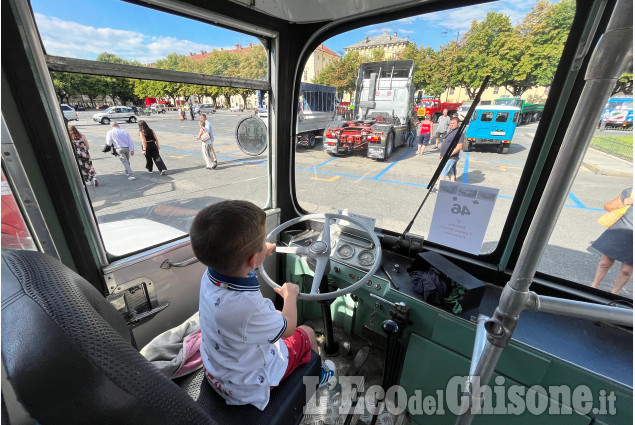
<point x="345" y="251"/>
<point x="366" y="258"/>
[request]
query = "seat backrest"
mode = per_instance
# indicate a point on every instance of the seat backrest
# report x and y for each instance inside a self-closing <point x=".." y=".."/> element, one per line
<point x="68" y="355"/>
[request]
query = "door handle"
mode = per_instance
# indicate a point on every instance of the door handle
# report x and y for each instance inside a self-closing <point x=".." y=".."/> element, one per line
<point x="136" y="317"/>
<point x="168" y="264"/>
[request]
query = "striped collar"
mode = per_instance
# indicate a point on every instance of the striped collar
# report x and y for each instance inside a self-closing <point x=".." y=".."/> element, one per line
<point x="234" y="283"/>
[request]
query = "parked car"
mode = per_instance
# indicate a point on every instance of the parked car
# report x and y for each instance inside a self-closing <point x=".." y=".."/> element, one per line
<point x="158" y="108"/>
<point x="462" y="111"/>
<point x="115" y="113"/>
<point x="204" y="108"/>
<point x="103" y="107"/>
<point x="237" y="108"/>
<point x="80" y="107"/>
<point x="69" y="113"/>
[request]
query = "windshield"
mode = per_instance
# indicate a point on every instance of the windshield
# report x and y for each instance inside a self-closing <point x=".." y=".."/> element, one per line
<point x="385" y="176"/>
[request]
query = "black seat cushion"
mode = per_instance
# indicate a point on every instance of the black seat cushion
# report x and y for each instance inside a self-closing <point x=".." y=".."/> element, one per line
<point x="285" y="406"/>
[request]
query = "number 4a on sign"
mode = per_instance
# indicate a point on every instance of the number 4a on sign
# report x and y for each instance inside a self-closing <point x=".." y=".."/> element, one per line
<point x="461" y="215"/>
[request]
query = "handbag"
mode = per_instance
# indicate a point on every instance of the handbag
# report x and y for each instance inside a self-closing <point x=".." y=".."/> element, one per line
<point x="205" y="138"/>
<point x="611" y="217"/>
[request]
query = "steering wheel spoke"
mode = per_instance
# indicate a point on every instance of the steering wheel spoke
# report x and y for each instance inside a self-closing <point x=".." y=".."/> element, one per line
<point x="320" y="268"/>
<point x="298" y="250"/>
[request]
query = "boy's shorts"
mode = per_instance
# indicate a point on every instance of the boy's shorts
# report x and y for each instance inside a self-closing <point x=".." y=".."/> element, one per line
<point x="299" y="347"/>
<point x="439" y="134"/>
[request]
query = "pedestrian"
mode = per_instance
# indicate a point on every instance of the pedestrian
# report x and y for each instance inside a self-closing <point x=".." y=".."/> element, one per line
<point x="206" y="136"/>
<point x="449" y="170"/>
<point x="120" y="139"/>
<point x="81" y="147"/>
<point x="192" y="111"/>
<point x="616" y="243"/>
<point x="425" y="132"/>
<point x="150" y="146"/>
<point x="442" y="127"/>
<point x="181" y="113"/>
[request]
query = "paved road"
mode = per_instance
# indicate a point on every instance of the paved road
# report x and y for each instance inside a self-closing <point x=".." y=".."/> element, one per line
<point x="390" y="191"/>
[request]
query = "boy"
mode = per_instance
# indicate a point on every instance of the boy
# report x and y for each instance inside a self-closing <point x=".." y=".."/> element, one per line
<point x="248" y="347"/>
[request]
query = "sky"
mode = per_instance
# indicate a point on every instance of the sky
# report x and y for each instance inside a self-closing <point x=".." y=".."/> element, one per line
<point x="85" y="28"/>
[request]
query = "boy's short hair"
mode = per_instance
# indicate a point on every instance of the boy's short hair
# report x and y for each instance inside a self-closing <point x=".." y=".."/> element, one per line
<point x="224" y="235"/>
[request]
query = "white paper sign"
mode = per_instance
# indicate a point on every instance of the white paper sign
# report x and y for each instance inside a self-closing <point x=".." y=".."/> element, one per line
<point x="461" y="215"/>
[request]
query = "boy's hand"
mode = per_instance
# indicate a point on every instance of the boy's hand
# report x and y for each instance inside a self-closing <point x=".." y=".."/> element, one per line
<point x="271" y="248"/>
<point x="288" y="290"/>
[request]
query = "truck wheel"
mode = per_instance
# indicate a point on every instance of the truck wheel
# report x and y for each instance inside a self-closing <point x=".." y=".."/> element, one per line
<point x="435" y="118"/>
<point x="311" y="140"/>
<point x="504" y="149"/>
<point x="466" y="147"/>
<point x="390" y="146"/>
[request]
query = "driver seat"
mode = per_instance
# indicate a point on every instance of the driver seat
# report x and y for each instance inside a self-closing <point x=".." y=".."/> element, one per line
<point x="70" y="359"/>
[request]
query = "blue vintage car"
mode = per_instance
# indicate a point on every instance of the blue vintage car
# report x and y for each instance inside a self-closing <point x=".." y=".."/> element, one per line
<point x="492" y="125"/>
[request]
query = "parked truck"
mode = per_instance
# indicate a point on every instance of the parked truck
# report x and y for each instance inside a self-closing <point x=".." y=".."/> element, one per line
<point x="529" y="112"/>
<point x="382" y="113"/>
<point x="316" y="109"/>
<point x="434" y="108"/>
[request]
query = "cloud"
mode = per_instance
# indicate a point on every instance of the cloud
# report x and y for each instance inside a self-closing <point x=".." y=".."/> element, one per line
<point x="71" y="39"/>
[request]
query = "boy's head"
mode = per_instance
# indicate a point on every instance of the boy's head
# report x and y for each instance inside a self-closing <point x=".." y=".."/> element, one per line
<point x="226" y="235"/>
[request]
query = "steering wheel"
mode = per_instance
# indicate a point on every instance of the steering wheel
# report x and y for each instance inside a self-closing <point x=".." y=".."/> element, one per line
<point x="320" y="251"/>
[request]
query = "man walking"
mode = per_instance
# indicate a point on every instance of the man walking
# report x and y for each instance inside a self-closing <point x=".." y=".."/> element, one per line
<point x="192" y="111"/>
<point x="449" y="170"/>
<point x="442" y="127"/>
<point x="120" y="139"/>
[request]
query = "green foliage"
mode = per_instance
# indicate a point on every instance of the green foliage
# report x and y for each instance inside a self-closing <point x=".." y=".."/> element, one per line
<point x="341" y="74"/>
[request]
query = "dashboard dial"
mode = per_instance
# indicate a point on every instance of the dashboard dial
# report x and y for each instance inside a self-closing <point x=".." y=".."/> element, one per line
<point x="345" y="251"/>
<point x="366" y="258"/>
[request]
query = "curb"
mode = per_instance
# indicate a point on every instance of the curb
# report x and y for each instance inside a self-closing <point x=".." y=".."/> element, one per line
<point x="600" y="171"/>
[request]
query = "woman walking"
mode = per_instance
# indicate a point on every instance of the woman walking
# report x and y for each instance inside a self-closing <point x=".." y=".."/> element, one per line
<point x="150" y="146"/>
<point x="80" y="146"/>
<point x="616" y="243"/>
<point x="206" y="136"/>
<point x="425" y="132"/>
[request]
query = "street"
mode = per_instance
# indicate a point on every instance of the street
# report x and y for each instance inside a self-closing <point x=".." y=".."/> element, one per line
<point x="389" y="191"/>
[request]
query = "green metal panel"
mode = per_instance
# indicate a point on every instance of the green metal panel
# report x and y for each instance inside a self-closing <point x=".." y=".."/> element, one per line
<point x="430" y="368"/>
<point x="518" y="363"/>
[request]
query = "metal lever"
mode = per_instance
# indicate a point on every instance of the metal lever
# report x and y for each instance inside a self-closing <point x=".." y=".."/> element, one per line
<point x="168" y="264"/>
<point x="137" y="317"/>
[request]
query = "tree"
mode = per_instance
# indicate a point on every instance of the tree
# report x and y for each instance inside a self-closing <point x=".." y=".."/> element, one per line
<point x="121" y="88"/>
<point x="624" y="84"/>
<point x="341" y="74"/>
<point x="66" y="85"/>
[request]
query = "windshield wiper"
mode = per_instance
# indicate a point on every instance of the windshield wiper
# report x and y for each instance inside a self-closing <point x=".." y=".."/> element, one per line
<point x="448" y="153"/>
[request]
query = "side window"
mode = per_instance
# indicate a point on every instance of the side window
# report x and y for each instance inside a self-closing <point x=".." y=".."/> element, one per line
<point x="487" y="116"/>
<point x="515" y="118"/>
<point x="502" y="116"/>
<point x="160" y="197"/>
<point x="474" y="116"/>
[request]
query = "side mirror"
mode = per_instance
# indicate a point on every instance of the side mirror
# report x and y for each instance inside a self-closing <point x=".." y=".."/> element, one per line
<point x="252" y="136"/>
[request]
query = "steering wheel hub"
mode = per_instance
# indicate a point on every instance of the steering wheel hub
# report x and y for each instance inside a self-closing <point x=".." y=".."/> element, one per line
<point x="319" y="247"/>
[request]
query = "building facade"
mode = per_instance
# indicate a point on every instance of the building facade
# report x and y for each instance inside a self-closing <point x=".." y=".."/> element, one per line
<point x="391" y="44"/>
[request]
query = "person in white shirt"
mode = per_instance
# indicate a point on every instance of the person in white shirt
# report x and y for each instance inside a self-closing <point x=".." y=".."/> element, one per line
<point x="207" y="146"/>
<point x="247" y="346"/>
<point x="121" y="140"/>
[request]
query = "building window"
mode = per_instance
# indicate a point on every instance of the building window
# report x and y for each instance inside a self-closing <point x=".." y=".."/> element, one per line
<point x="495" y="90"/>
<point x="306" y="75"/>
<point x="451" y="90"/>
